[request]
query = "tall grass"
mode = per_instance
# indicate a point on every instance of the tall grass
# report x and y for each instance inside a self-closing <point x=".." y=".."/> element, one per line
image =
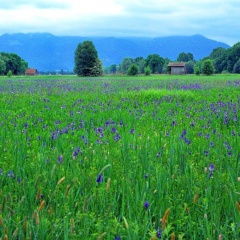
<point x="120" y="158"/>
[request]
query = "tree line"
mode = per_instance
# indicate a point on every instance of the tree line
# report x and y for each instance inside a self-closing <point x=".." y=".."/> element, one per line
<point x="220" y="60"/>
<point x="11" y="63"/>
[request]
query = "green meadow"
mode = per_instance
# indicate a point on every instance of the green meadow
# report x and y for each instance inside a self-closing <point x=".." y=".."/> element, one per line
<point x="117" y="157"/>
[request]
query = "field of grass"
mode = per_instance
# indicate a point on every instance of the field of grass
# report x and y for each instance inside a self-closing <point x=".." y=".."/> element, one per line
<point x="120" y="157"/>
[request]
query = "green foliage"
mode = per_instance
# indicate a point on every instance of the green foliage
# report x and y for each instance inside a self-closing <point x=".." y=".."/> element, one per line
<point x="133" y="70"/>
<point x="197" y="70"/>
<point x="219" y="56"/>
<point x="2" y="67"/>
<point x="166" y="69"/>
<point x="125" y="64"/>
<point x="13" y="62"/>
<point x="113" y="69"/>
<point x="233" y="55"/>
<point x="208" y="68"/>
<point x="236" y="68"/>
<point x="225" y="59"/>
<point x="9" y="73"/>
<point x="147" y="71"/>
<point x="155" y="62"/>
<point x="140" y="62"/>
<point x="86" y="60"/>
<point x="190" y="67"/>
<point x="185" y="57"/>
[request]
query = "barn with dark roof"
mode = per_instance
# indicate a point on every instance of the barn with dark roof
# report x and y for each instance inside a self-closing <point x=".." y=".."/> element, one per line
<point x="177" y="67"/>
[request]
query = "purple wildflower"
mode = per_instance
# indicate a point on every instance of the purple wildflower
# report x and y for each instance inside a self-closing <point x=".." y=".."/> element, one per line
<point x="99" y="178"/>
<point x="114" y="130"/>
<point x="116" y="137"/>
<point x="117" y="238"/>
<point x="60" y="159"/>
<point x="132" y="131"/>
<point x="11" y="174"/>
<point x="159" y="234"/>
<point x="146" y="205"/>
<point x="211" y="169"/>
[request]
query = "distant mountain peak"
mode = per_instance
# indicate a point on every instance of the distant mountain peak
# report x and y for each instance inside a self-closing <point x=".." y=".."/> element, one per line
<point x="48" y="52"/>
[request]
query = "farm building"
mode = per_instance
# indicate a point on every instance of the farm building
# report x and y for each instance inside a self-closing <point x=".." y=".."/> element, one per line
<point x="31" y="72"/>
<point x="177" y="67"/>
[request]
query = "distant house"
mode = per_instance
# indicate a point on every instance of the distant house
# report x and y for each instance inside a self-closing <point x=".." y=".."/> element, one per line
<point x="177" y="67"/>
<point x="31" y="72"/>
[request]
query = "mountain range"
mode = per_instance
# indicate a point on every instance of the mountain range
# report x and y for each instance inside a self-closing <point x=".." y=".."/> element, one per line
<point x="48" y="52"/>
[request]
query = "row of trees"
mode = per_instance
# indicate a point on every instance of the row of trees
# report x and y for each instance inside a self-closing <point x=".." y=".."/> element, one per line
<point x="154" y="63"/>
<point x="87" y="63"/>
<point x="226" y="60"/>
<point x="220" y="60"/>
<point x="12" y="63"/>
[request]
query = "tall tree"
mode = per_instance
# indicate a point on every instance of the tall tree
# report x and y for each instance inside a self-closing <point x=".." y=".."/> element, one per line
<point x="236" y="68"/>
<point x="190" y="67"/>
<point x="125" y="64"/>
<point x="87" y="62"/>
<point x="219" y="57"/>
<point x="155" y="62"/>
<point x="2" y="67"/>
<point x="13" y="63"/>
<point x="185" y="57"/>
<point x="233" y="55"/>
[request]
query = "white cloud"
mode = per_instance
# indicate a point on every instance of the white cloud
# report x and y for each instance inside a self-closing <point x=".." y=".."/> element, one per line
<point x="217" y="19"/>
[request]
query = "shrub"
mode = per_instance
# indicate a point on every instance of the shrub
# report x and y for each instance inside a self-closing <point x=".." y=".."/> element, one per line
<point x="197" y="70"/>
<point x="9" y="73"/>
<point x="208" y="68"/>
<point x="147" y="71"/>
<point x="133" y="70"/>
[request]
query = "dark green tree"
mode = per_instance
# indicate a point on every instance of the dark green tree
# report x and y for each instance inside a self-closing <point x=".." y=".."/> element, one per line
<point x="190" y="67"/>
<point x="233" y="55"/>
<point x="140" y="62"/>
<point x="185" y="57"/>
<point x="197" y="70"/>
<point x="219" y="58"/>
<point x="113" y="69"/>
<point x="155" y="62"/>
<point x="87" y="62"/>
<point x="14" y="63"/>
<point x="125" y="64"/>
<point x="2" y="67"/>
<point x="208" y="68"/>
<point x="236" y="68"/>
<point x="133" y="70"/>
<point x="166" y="69"/>
<point x="198" y="67"/>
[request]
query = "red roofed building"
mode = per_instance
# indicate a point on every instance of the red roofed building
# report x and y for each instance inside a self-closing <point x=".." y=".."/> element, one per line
<point x="31" y="72"/>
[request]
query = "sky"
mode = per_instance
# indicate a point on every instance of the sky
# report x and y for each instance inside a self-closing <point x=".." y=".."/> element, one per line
<point x="215" y="19"/>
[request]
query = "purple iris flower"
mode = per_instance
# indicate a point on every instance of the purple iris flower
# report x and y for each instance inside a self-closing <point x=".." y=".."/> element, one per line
<point x="146" y="205"/>
<point x="99" y="178"/>
<point x="211" y="169"/>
